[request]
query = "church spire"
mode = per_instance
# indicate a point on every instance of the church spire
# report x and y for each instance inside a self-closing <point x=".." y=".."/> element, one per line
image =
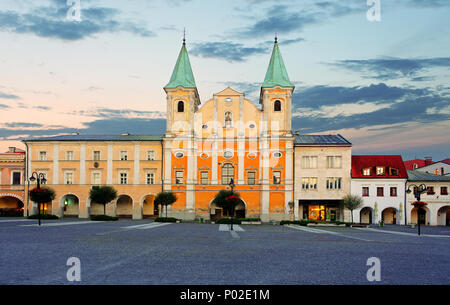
<point x="276" y="74"/>
<point x="182" y="73"/>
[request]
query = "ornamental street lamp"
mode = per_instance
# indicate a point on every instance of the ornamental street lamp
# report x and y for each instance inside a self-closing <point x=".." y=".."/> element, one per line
<point x="40" y="178"/>
<point x="232" y="203"/>
<point x="418" y="190"/>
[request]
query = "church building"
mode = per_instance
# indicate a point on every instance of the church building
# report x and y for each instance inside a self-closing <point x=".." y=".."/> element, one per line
<point x="207" y="144"/>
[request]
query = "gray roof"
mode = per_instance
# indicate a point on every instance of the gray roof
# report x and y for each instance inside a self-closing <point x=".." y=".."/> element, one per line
<point x="421" y="176"/>
<point x="321" y="140"/>
<point x="78" y="137"/>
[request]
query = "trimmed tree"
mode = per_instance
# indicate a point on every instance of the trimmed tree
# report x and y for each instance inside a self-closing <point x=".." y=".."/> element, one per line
<point x="352" y="202"/>
<point x="165" y="199"/>
<point x="227" y="200"/>
<point x="102" y="195"/>
<point x="42" y="195"/>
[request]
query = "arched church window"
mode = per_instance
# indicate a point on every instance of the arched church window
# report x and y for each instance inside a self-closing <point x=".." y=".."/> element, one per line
<point x="228" y="119"/>
<point x="180" y="106"/>
<point x="227" y="173"/>
<point x="277" y="105"/>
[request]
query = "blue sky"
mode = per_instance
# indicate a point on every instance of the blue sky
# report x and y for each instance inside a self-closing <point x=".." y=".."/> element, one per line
<point x="382" y="85"/>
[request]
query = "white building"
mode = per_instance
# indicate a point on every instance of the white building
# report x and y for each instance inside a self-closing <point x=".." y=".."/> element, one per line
<point x="441" y="168"/>
<point x="437" y="210"/>
<point x="380" y="181"/>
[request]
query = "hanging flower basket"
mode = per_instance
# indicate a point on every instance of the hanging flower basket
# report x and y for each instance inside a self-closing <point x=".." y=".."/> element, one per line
<point x="418" y="204"/>
<point x="232" y="200"/>
<point x="42" y="195"/>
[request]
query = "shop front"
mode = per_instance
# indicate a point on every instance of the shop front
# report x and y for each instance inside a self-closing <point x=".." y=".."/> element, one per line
<point x="321" y="210"/>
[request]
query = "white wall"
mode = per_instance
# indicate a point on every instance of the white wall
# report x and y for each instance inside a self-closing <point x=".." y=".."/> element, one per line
<point x="383" y="202"/>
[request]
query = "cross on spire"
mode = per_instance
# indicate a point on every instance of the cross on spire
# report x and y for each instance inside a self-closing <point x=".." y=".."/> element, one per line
<point x="184" y="36"/>
<point x="276" y="37"/>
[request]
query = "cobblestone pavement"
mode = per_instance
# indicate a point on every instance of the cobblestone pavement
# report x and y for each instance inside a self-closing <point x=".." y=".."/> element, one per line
<point x="142" y="252"/>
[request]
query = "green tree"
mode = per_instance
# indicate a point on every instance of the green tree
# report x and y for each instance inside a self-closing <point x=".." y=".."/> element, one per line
<point x="352" y="202"/>
<point x="102" y="195"/>
<point x="221" y="200"/>
<point x="165" y="199"/>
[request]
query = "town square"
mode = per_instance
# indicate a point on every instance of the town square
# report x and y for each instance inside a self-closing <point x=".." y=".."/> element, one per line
<point x="301" y="143"/>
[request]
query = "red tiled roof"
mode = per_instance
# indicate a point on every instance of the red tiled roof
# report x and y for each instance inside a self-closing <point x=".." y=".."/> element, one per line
<point x="388" y="161"/>
<point x="447" y="161"/>
<point x="409" y="164"/>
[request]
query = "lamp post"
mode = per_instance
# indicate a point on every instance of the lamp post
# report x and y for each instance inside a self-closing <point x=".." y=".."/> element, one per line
<point x="40" y="178"/>
<point x="232" y="203"/>
<point x="418" y="204"/>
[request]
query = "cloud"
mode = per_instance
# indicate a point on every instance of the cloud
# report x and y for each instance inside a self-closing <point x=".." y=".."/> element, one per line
<point x="51" y="22"/>
<point x="8" y="96"/>
<point x="4" y="106"/>
<point x="322" y="108"/>
<point x="229" y="51"/>
<point x="119" y="113"/>
<point x="428" y="3"/>
<point x="286" y="19"/>
<point x="393" y="68"/>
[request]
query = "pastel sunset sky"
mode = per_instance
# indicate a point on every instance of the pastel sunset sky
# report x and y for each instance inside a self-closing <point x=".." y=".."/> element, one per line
<point x="385" y="86"/>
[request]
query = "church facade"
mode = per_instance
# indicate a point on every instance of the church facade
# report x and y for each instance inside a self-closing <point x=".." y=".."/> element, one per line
<point x="205" y="146"/>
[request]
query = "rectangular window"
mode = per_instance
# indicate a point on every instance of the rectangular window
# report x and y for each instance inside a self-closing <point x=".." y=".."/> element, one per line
<point x="123" y="155"/>
<point x="251" y="178"/>
<point x="123" y="178"/>
<point x="276" y="177"/>
<point x="380" y="191"/>
<point x="95" y="178"/>
<point x="334" y="183"/>
<point x="16" y="178"/>
<point x="69" y="155"/>
<point x="366" y="172"/>
<point x="334" y="161"/>
<point x="305" y="183"/>
<point x="96" y="155"/>
<point x="68" y="178"/>
<point x="313" y="183"/>
<point x="365" y="191"/>
<point x="393" y="171"/>
<point x="179" y="177"/>
<point x="151" y="155"/>
<point x="42" y="155"/>
<point x="444" y="190"/>
<point x="309" y="162"/>
<point x="204" y="177"/>
<point x="150" y="178"/>
<point x="393" y="192"/>
<point x="430" y="190"/>
<point x="380" y="171"/>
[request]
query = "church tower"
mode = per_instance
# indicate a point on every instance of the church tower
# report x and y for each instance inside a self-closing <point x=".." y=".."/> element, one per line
<point x="182" y="97"/>
<point x="276" y="97"/>
<point x="179" y="140"/>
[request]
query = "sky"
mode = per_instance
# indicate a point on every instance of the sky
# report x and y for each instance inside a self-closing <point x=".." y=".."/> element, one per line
<point x="382" y="84"/>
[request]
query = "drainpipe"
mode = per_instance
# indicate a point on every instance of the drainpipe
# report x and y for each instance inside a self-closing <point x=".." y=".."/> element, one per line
<point x="406" y="182"/>
<point x="162" y="177"/>
<point x="26" y="177"/>
<point x="293" y="183"/>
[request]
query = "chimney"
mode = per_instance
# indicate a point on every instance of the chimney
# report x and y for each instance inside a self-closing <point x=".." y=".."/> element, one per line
<point x="428" y="161"/>
<point x="297" y="133"/>
<point x="11" y="149"/>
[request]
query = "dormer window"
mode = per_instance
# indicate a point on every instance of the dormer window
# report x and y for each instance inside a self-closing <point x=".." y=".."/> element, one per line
<point x="367" y="171"/>
<point x="393" y="171"/>
<point x="277" y="105"/>
<point x="380" y="171"/>
<point x="180" y="106"/>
